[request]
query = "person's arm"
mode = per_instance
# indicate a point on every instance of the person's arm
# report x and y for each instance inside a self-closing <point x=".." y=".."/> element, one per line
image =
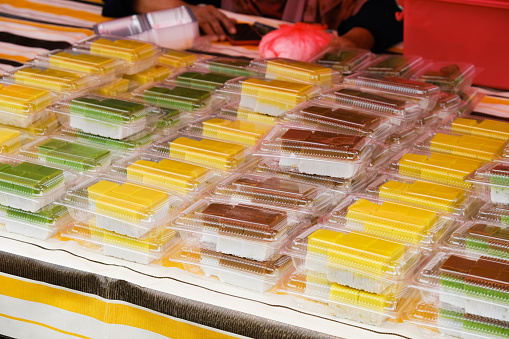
<point x="374" y="27"/>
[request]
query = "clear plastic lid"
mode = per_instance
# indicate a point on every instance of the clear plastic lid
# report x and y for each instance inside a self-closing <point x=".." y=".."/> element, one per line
<point x="46" y="125"/>
<point x="354" y="259"/>
<point x="272" y="167"/>
<point x="138" y="54"/>
<point x="336" y="118"/>
<point x="345" y="302"/>
<point x="135" y="142"/>
<point x="476" y="284"/>
<point x="177" y="97"/>
<point x="425" y="194"/>
<point x="225" y="128"/>
<point x="29" y="185"/>
<point x="447" y="104"/>
<point x="450" y="77"/>
<point x="272" y="190"/>
<point x="103" y="67"/>
<point x="297" y="71"/>
<point x="123" y="207"/>
<point x="227" y="65"/>
<point x="493" y="180"/>
<point x="318" y="152"/>
<point x="374" y="101"/>
<point x="106" y="117"/>
<point x="437" y="167"/>
<point x="394" y="65"/>
<point x="494" y="213"/>
<point x="51" y="79"/>
<point x="152" y="74"/>
<point x="259" y="276"/>
<point x="485" y="127"/>
<point x="470" y="97"/>
<point x="199" y="79"/>
<point x="272" y="97"/>
<point x="163" y="173"/>
<point x="179" y="59"/>
<point x="239" y="228"/>
<point x="11" y="139"/>
<point x="68" y="154"/>
<point x="117" y="88"/>
<point x="203" y="151"/>
<point x="467" y="146"/>
<point x="143" y="250"/>
<point x="388" y="219"/>
<point x="344" y="60"/>
<point x="241" y="113"/>
<point x="172" y="119"/>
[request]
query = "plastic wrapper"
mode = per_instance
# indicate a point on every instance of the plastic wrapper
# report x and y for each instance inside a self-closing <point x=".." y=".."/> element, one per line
<point x="203" y="151"/>
<point x="354" y="259"/>
<point x="297" y="71"/>
<point x="344" y="60"/>
<point x="450" y="77"/>
<point x="172" y="119"/>
<point x="258" y="276"/>
<point x="121" y="207"/>
<point x="492" y="180"/>
<point x="41" y="224"/>
<point x="318" y="152"/>
<point x="138" y="55"/>
<point x="106" y="117"/>
<point x="242" y="113"/>
<point x="436" y="167"/>
<point x="52" y="79"/>
<point x="478" y="126"/>
<point x="224" y="128"/>
<point x="238" y="228"/>
<point x="438" y="197"/>
<point x="198" y="79"/>
<point x="394" y="65"/>
<point x="272" y="97"/>
<point x="152" y="74"/>
<point x="143" y="250"/>
<point x="163" y="173"/>
<point x="30" y="186"/>
<point x="473" y="284"/>
<point x="226" y="65"/>
<point x="447" y="104"/>
<point x="494" y="213"/>
<point x="275" y="191"/>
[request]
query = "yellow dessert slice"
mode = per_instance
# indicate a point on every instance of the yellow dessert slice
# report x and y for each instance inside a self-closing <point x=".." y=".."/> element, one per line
<point x="9" y="140"/>
<point x="153" y="73"/>
<point x="487" y="128"/>
<point x="247" y="114"/>
<point x="179" y="59"/>
<point x="280" y="93"/>
<point x="344" y="294"/>
<point x="49" y="79"/>
<point x="298" y="70"/>
<point x="245" y="132"/>
<point x="114" y="88"/>
<point x="467" y="146"/>
<point x="100" y="189"/>
<point x="22" y="99"/>
<point x="128" y="50"/>
<point x="321" y="240"/>
<point x="139" y="169"/>
<point x="360" y="210"/>
<point x="83" y="63"/>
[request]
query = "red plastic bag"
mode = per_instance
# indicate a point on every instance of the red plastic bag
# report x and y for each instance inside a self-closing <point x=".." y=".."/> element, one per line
<point x="299" y="42"/>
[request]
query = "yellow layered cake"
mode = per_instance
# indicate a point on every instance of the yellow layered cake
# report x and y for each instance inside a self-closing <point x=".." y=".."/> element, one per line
<point x="128" y="50"/>
<point x="468" y="146"/>
<point x="153" y="73"/>
<point x="241" y="131"/>
<point x="51" y="79"/>
<point x="378" y="302"/>
<point x="21" y="99"/>
<point x="177" y="59"/>
<point x="83" y="63"/>
<point x="300" y="71"/>
<point x="9" y="140"/>
<point x="486" y="128"/>
<point x="114" y="88"/>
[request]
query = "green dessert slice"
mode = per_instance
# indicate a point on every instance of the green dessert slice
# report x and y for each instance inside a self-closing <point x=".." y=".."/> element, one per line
<point x="109" y="110"/>
<point x="187" y="99"/>
<point x="127" y="144"/>
<point x="235" y="67"/>
<point x="207" y="81"/>
<point x="29" y="178"/>
<point x="171" y="117"/>
<point x="46" y="216"/>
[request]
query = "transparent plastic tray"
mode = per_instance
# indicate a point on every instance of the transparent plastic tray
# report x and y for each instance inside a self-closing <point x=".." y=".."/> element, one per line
<point x="391" y="104"/>
<point x="11" y="139"/>
<point x="354" y="259"/>
<point x="467" y="146"/>
<point x="177" y="97"/>
<point x="228" y="129"/>
<point x="172" y="119"/>
<point x="149" y="247"/>
<point x="494" y="128"/>
<point x="167" y="174"/>
<point x="52" y="79"/>
<point x="494" y="213"/>
<point x="335" y="118"/>
<point x="391" y="220"/>
<point x="394" y="65"/>
<point x="258" y="276"/>
<point x="30" y="185"/>
<point x="271" y="167"/>
<point x="139" y="55"/>
<point x="44" y="126"/>
<point x="315" y="292"/>
<point x="344" y="60"/>
<point x="470" y="97"/>
<point x="440" y="322"/>
<point x="135" y="142"/>
<point x="275" y="191"/>
<point x="450" y="77"/>
<point x="297" y="71"/>
<point x="474" y="284"/>
<point x="272" y="97"/>
<point x="179" y="59"/>
<point x="117" y="88"/>
<point x="203" y="151"/>
<point x="122" y="207"/>
<point x="442" y="198"/>
<point x="200" y="79"/>
<point x="22" y="105"/>
<point x="318" y="152"/>
<point x="104" y="67"/>
<point x="41" y="224"/>
<point x="437" y="167"/>
<point x="239" y="228"/>
<point x="106" y="117"/>
<point x="233" y="110"/>
<point x="67" y="154"/>
<point x="152" y="74"/>
<point x="493" y="181"/>
<point x="227" y="65"/>
<point x="447" y="104"/>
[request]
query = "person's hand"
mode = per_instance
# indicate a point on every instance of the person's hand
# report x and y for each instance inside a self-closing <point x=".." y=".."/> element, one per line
<point x="357" y="37"/>
<point x="213" y="22"/>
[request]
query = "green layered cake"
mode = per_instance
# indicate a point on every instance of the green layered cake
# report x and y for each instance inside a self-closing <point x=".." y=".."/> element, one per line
<point x="207" y="81"/>
<point x="187" y="99"/>
<point x="109" y="110"/>
<point x="231" y="66"/>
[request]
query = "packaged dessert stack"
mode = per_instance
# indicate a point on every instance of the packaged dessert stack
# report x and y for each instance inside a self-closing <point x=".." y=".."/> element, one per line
<point x="344" y="60"/>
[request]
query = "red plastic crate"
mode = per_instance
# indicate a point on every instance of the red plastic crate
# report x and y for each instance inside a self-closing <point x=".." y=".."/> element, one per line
<point x="473" y="31"/>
